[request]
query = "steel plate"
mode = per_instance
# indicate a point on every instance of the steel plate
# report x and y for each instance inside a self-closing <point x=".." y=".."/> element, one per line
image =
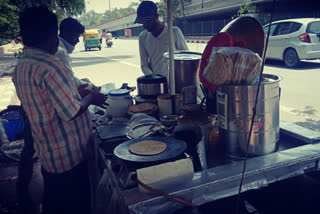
<point x="174" y="148"/>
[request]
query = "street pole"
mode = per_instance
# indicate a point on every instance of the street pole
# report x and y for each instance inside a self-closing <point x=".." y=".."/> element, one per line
<point x="171" y="57"/>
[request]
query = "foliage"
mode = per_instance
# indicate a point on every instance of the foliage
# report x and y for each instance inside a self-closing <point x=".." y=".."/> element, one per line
<point x="245" y="8"/>
<point x="92" y="18"/>
<point x="9" y="12"/>
<point x="177" y="8"/>
<point x="8" y="21"/>
<point x="65" y="7"/>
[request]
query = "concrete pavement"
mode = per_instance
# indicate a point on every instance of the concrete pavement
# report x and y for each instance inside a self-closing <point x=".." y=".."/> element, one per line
<point x="7" y="63"/>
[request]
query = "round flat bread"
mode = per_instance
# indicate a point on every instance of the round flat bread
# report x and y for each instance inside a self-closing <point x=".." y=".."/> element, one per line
<point x="142" y="108"/>
<point x="147" y="147"/>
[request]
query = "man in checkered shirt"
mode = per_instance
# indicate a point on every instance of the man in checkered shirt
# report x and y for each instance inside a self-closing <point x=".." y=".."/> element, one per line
<point x="59" y="117"/>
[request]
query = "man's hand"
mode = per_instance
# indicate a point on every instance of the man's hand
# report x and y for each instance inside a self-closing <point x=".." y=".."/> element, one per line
<point x="83" y="90"/>
<point x="93" y="98"/>
<point x="99" y="99"/>
<point x="95" y="88"/>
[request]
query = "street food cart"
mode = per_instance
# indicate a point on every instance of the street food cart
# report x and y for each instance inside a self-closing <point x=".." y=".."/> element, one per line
<point x="295" y="151"/>
<point x="298" y="153"/>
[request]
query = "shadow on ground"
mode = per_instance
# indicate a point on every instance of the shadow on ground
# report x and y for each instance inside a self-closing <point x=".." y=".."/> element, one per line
<point x="312" y="122"/>
<point x="85" y="61"/>
<point x="304" y="65"/>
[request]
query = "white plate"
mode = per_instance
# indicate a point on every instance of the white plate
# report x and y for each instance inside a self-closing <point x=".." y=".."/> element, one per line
<point x="144" y="130"/>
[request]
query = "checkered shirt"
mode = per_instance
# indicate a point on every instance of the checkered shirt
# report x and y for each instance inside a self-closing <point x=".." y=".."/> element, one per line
<point x="50" y="98"/>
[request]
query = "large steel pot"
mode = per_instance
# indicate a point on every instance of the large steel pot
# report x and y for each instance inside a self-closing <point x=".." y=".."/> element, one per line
<point x="186" y="64"/>
<point x="150" y="86"/>
<point x="235" y="105"/>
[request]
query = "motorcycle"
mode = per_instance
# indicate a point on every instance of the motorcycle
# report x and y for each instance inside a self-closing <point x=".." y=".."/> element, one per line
<point x="109" y="43"/>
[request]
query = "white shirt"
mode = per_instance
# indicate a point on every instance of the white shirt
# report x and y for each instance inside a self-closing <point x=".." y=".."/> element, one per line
<point x="152" y="50"/>
<point x="63" y="55"/>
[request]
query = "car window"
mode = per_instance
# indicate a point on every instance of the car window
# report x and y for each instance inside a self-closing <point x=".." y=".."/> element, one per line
<point x="282" y="28"/>
<point x="266" y="28"/>
<point x="313" y="27"/>
<point x="295" y="27"/>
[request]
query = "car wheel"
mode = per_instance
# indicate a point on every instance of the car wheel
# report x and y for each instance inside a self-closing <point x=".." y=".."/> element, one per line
<point x="291" y="58"/>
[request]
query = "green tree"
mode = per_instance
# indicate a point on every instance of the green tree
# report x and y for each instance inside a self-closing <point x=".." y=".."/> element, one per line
<point x="92" y="18"/>
<point x="9" y="12"/>
<point x="9" y="27"/>
<point x="245" y="8"/>
<point x="177" y="8"/>
<point x="65" y="7"/>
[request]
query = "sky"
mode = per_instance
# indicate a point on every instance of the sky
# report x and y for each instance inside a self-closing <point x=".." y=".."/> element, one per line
<point x="99" y="6"/>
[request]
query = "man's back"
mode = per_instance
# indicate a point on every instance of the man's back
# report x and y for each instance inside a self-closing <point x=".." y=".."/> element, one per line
<point x="50" y="99"/>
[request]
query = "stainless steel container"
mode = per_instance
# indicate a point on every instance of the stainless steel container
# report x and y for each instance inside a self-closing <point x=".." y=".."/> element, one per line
<point x="186" y="64"/>
<point x="235" y="105"/>
<point x="150" y="86"/>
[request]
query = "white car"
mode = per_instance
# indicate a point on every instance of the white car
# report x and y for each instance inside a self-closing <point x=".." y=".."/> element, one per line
<point x="292" y="40"/>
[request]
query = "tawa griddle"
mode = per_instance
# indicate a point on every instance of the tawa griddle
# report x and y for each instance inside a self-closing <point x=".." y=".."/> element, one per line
<point x="174" y="148"/>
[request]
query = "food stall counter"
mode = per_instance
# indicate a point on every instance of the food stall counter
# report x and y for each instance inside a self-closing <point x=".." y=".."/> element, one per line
<point x="298" y="154"/>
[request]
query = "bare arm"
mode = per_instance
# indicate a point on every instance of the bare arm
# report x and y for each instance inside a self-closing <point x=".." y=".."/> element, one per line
<point x="144" y="62"/>
<point x="93" y="98"/>
<point x="180" y="41"/>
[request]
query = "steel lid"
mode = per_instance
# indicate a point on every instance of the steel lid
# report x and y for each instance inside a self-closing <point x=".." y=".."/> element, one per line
<point x="152" y="78"/>
<point x="184" y="55"/>
<point x="118" y="92"/>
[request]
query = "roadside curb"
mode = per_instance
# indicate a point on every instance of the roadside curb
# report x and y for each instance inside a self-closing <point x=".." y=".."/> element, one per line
<point x="197" y="41"/>
<point x="187" y="40"/>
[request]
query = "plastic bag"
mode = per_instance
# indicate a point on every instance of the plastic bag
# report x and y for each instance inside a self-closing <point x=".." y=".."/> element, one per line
<point x="232" y="65"/>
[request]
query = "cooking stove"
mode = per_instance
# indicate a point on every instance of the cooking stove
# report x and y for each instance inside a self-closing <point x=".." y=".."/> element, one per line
<point x="126" y="170"/>
<point x="124" y="163"/>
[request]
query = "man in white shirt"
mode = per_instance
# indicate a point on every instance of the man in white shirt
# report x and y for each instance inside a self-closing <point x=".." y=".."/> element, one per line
<point x="154" y="41"/>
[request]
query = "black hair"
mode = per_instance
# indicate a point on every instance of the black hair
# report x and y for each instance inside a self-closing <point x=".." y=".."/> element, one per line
<point x="37" y="24"/>
<point x="71" y="25"/>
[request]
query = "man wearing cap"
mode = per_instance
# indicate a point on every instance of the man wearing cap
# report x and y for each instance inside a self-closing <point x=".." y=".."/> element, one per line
<point x="154" y="41"/>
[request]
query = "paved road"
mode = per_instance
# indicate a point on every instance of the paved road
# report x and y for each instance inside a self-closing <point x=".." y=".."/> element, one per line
<point x="300" y="101"/>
